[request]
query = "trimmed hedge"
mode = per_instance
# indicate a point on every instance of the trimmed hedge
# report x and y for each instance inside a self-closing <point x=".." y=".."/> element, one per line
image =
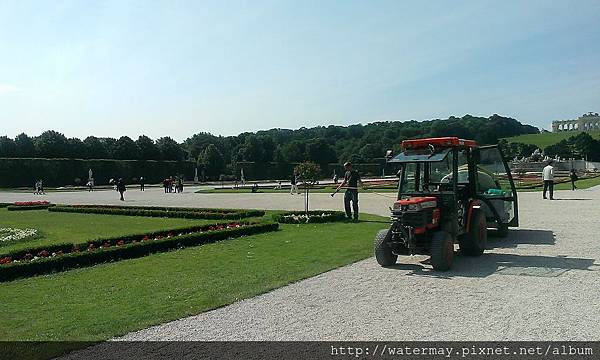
<point x="129" y="250"/>
<point x="29" y="207"/>
<point x="3" y="205"/>
<point x="315" y="216"/>
<point x="184" y="213"/>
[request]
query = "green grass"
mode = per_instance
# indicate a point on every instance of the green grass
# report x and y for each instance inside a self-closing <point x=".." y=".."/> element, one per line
<point x="545" y="139"/>
<point x="56" y="227"/>
<point x="112" y="299"/>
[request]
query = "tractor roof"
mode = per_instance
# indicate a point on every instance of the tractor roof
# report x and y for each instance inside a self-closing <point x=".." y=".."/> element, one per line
<point x="438" y="142"/>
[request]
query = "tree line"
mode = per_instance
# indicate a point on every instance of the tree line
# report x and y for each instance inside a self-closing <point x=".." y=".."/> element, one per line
<point x="220" y="154"/>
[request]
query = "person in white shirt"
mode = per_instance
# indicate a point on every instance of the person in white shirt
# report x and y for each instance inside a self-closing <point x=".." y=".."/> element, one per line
<point x="548" y="177"/>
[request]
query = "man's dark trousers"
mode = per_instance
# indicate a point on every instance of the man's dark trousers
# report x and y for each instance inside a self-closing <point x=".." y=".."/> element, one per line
<point x="549" y="185"/>
<point x="351" y="195"/>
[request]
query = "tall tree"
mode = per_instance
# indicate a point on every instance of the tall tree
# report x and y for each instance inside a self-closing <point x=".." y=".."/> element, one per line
<point x="51" y="144"/>
<point x="126" y="149"/>
<point x="7" y="147"/>
<point x="148" y="149"/>
<point x="24" y="146"/>
<point x="212" y="161"/>
<point x="170" y="149"/>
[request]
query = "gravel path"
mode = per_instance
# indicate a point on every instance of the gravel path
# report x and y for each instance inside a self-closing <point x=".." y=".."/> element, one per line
<point x="540" y="283"/>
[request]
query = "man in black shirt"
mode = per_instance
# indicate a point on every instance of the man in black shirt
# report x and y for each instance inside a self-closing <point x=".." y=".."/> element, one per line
<point x="351" y="180"/>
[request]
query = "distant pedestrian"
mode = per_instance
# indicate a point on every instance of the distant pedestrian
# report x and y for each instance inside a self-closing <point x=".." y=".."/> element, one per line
<point x="294" y="183"/>
<point x="90" y="184"/>
<point x="36" y="188"/>
<point x="121" y="188"/>
<point x="548" y="177"/>
<point x="573" y="176"/>
<point x="180" y="185"/>
<point x="166" y="185"/>
<point x="255" y="188"/>
<point x="142" y="184"/>
<point x="41" y="187"/>
<point x="278" y="186"/>
<point x="335" y="178"/>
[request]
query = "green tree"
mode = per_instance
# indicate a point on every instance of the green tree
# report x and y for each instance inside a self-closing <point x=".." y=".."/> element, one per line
<point x="51" y="144"/>
<point x="147" y="147"/>
<point x="126" y="149"/>
<point x="24" y="146"/>
<point x="170" y="149"/>
<point x="308" y="173"/>
<point x="212" y="161"/>
<point x="7" y="147"/>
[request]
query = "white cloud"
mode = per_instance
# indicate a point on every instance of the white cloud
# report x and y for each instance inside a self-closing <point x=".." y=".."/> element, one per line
<point x="5" y="88"/>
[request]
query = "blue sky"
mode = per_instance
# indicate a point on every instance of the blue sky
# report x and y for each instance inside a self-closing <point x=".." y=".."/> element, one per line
<point x="176" y="68"/>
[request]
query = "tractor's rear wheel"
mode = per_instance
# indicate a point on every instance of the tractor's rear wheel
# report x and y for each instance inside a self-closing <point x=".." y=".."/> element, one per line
<point x="383" y="252"/>
<point x="442" y="251"/>
<point x="474" y="242"/>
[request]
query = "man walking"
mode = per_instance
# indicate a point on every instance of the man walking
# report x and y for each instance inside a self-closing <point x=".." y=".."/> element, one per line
<point x="351" y="179"/>
<point x="573" y="176"/>
<point x="121" y="188"/>
<point x="548" y="177"/>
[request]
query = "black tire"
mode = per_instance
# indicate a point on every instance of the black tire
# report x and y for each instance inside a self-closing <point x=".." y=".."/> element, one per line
<point x="474" y="242"/>
<point x="502" y="230"/>
<point x="383" y="253"/>
<point x="442" y="251"/>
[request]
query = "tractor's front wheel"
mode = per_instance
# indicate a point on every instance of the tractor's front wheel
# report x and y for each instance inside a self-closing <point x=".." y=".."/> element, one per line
<point x="474" y="242"/>
<point x="442" y="251"/>
<point x="383" y="252"/>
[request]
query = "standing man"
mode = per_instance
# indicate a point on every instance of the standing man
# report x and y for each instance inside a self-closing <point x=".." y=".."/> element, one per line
<point x="142" y="184"/>
<point x="294" y="182"/>
<point x="548" y="177"/>
<point x="351" y="179"/>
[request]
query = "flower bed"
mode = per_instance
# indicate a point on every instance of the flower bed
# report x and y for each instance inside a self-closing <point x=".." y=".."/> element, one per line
<point x="316" y="216"/>
<point x="60" y="257"/>
<point x="29" y="205"/>
<point x="13" y="234"/>
<point x="186" y="213"/>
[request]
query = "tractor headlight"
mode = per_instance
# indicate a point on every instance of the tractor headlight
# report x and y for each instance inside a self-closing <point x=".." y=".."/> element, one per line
<point x="414" y="207"/>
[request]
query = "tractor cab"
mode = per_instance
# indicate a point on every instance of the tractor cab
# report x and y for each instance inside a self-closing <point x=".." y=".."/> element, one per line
<point x="449" y="191"/>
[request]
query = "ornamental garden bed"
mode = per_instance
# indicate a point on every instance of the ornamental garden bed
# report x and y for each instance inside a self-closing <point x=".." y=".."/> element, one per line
<point x="315" y="216"/>
<point x="156" y="211"/>
<point x="61" y="257"/>
<point x="29" y="205"/>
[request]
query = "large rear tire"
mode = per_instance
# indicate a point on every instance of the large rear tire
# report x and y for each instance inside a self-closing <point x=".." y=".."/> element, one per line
<point x="442" y="251"/>
<point x="383" y="252"/>
<point x="474" y="242"/>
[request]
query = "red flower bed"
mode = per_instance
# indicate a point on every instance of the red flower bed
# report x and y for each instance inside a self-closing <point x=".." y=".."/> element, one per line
<point x="30" y="203"/>
<point x="108" y="243"/>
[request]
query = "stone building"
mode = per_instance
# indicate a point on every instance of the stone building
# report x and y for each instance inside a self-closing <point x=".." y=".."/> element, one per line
<point x="586" y="122"/>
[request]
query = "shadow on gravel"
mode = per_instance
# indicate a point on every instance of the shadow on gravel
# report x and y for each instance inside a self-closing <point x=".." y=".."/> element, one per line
<point x="521" y="236"/>
<point x="504" y="264"/>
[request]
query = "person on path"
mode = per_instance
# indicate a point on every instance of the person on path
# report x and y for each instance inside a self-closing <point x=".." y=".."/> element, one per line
<point x="294" y="183"/>
<point x="352" y="180"/>
<point x="142" y="184"/>
<point x="180" y="185"/>
<point x="548" y="177"/>
<point x="121" y="188"/>
<point x="90" y="185"/>
<point x="573" y="176"/>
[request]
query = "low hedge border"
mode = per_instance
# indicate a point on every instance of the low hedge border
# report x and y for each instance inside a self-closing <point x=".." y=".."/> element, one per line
<point x="13" y="207"/>
<point x="170" y="213"/>
<point x="130" y="250"/>
<point x="314" y="217"/>
<point x="163" y="208"/>
<point x="3" y="205"/>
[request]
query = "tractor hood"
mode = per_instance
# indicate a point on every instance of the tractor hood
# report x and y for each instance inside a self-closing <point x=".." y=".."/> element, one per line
<point x="416" y="203"/>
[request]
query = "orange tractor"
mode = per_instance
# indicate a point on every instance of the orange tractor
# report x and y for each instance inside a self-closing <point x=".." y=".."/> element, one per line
<point x="449" y="191"/>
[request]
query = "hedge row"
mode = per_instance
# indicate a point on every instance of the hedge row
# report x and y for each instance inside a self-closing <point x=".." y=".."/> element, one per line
<point x="58" y="172"/>
<point x="163" y="208"/>
<point x="315" y="216"/>
<point x="29" y="207"/>
<point x="130" y="250"/>
<point x="3" y="205"/>
<point x="184" y="214"/>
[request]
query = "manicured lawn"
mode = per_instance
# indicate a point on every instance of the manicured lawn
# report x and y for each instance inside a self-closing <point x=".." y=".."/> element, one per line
<point x="56" y="227"/>
<point x="112" y="299"/>
<point x="545" y="139"/>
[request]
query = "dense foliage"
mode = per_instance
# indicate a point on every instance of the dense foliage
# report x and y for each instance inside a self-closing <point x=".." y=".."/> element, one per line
<point x="580" y="146"/>
<point x="219" y="154"/>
